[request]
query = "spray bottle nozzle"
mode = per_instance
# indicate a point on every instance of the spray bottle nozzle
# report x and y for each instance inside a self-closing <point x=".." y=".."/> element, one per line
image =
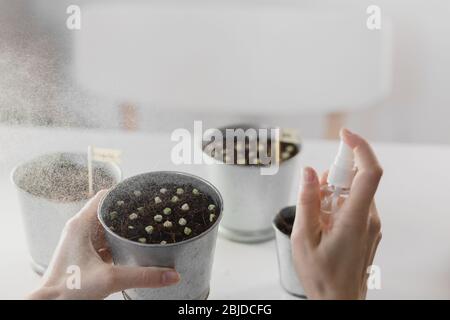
<point x="342" y="170"/>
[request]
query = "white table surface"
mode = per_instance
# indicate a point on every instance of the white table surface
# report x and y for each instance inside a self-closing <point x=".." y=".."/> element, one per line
<point x="413" y="201"/>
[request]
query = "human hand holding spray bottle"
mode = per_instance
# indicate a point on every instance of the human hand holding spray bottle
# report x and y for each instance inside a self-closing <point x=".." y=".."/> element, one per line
<point x="332" y="259"/>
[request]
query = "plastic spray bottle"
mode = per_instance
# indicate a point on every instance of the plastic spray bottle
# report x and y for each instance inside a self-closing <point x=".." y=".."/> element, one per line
<point x="340" y="177"/>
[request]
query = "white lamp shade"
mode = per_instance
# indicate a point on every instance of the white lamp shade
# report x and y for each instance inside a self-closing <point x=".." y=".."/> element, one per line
<point x="232" y="58"/>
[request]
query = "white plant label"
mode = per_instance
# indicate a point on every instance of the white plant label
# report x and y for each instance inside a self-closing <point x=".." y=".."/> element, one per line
<point x="73" y="281"/>
<point x="73" y="22"/>
<point x="374" y="18"/>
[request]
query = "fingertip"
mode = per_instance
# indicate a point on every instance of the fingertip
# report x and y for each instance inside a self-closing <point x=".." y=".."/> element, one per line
<point x="351" y="139"/>
<point x="308" y="176"/>
<point x="170" y="277"/>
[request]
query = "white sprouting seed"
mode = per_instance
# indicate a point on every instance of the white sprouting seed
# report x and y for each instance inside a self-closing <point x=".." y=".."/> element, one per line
<point x="149" y="229"/>
<point x="212" y="216"/>
<point x="285" y="155"/>
<point x="163" y="242"/>
<point x="158" y="218"/>
<point x="113" y="215"/>
<point x="120" y="203"/>
<point x="180" y="190"/>
<point x="133" y="216"/>
<point x="187" y="231"/>
<point x="174" y="199"/>
<point x="290" y="148"/>
<point x="195" y="192"/>
<point x="142" y="240"/>
<point x="211" y="207"/>
<point x="130" y="227"/>
<point x="157" y="200"/>
<point x="137" y="193"/>
<point x="167" y="211"/>
<point x="167" y="224"/>
<point x="163" y="190"/>
<point x="185" y="207"/>
<point x="182" y="222"/>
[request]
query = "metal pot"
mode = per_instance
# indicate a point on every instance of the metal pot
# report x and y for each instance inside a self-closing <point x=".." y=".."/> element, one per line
<point x="192" y="258"/>
<point x="43" y="218"/>
<point x="252" y="198"/>
<point x="288" y="276"/>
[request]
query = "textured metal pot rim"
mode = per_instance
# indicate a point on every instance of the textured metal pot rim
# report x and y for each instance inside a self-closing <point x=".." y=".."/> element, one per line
<point x="156" y="245"/>
<point x="281" y="232"/>
<point x="13" y="173"/>
<point x="257" y="127"/>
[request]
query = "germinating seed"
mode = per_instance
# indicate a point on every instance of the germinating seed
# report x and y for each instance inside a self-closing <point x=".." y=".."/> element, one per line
<point x="140" y="209"/>
<point x="167" y="224"/>
<point x="163" y="242"/>
<point x="212" y="217"/>
<point x="149" y="229"/>
<point x="185" y="207"/>
<point x="158" y="218"/>
<point x="211" y="207"/>
<point x="142" y="240"/>
<point x="120" y="203"/>
<point x="163" y="190"/>
<point x="290" y="148"/>
<point x="157" y="200"/>
<point x="174" y="199"/>
<point x="113" y="215"/>
<point x="133" y="216"/>
<point x="130" y="227"/>
<point x="180" y="191"/>
<point x="182" y="222"/>
<point x="167" y="211"/>
<point x="195" y="192"/>
<point x="137" y="193"/>
<point x="285" y="155"/>
<point x="187" y="231"/>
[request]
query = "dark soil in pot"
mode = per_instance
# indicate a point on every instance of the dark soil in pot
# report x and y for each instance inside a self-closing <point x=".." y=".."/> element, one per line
<point x="161" y="213"/>
<point x="284" y="221"/>
<point x="245" y="153"/>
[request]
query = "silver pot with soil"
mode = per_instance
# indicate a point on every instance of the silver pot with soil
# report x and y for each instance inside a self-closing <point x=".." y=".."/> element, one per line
<point x="165" y="219"/>
<point x="282" y="225"/>
<point x="252" y="197"/>
<point x="51" y="189"/>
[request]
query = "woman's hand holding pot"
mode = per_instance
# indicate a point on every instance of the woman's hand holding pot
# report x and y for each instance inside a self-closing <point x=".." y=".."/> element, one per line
<point x="82" y="268"/>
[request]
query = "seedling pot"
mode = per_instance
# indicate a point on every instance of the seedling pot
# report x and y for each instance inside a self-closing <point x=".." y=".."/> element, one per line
<point x="252" y="198"/>
<point x="44" y="216"/>
<point x="282" y="224"/>
<point x="192" y="258"/>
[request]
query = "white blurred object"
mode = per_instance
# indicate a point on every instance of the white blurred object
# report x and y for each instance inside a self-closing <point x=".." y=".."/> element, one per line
<point x="232" y="58"/>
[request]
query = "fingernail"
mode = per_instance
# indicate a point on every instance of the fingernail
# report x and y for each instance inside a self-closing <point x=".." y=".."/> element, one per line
<point x="307" y="175"/>
<point x="347" y="132"/>
<point x="169" y="277"/>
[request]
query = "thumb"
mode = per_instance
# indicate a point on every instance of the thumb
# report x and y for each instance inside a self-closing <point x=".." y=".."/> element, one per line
<point x="307" y="218"/>
<point x="142" y="277"/>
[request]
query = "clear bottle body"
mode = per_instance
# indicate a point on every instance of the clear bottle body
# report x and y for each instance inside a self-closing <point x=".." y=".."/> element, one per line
<point x="332" y="198"/>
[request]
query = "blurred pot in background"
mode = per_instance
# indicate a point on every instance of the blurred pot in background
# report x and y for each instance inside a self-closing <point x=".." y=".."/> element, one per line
<point x="282" y="225"/>
<point x="252" y="197"/>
